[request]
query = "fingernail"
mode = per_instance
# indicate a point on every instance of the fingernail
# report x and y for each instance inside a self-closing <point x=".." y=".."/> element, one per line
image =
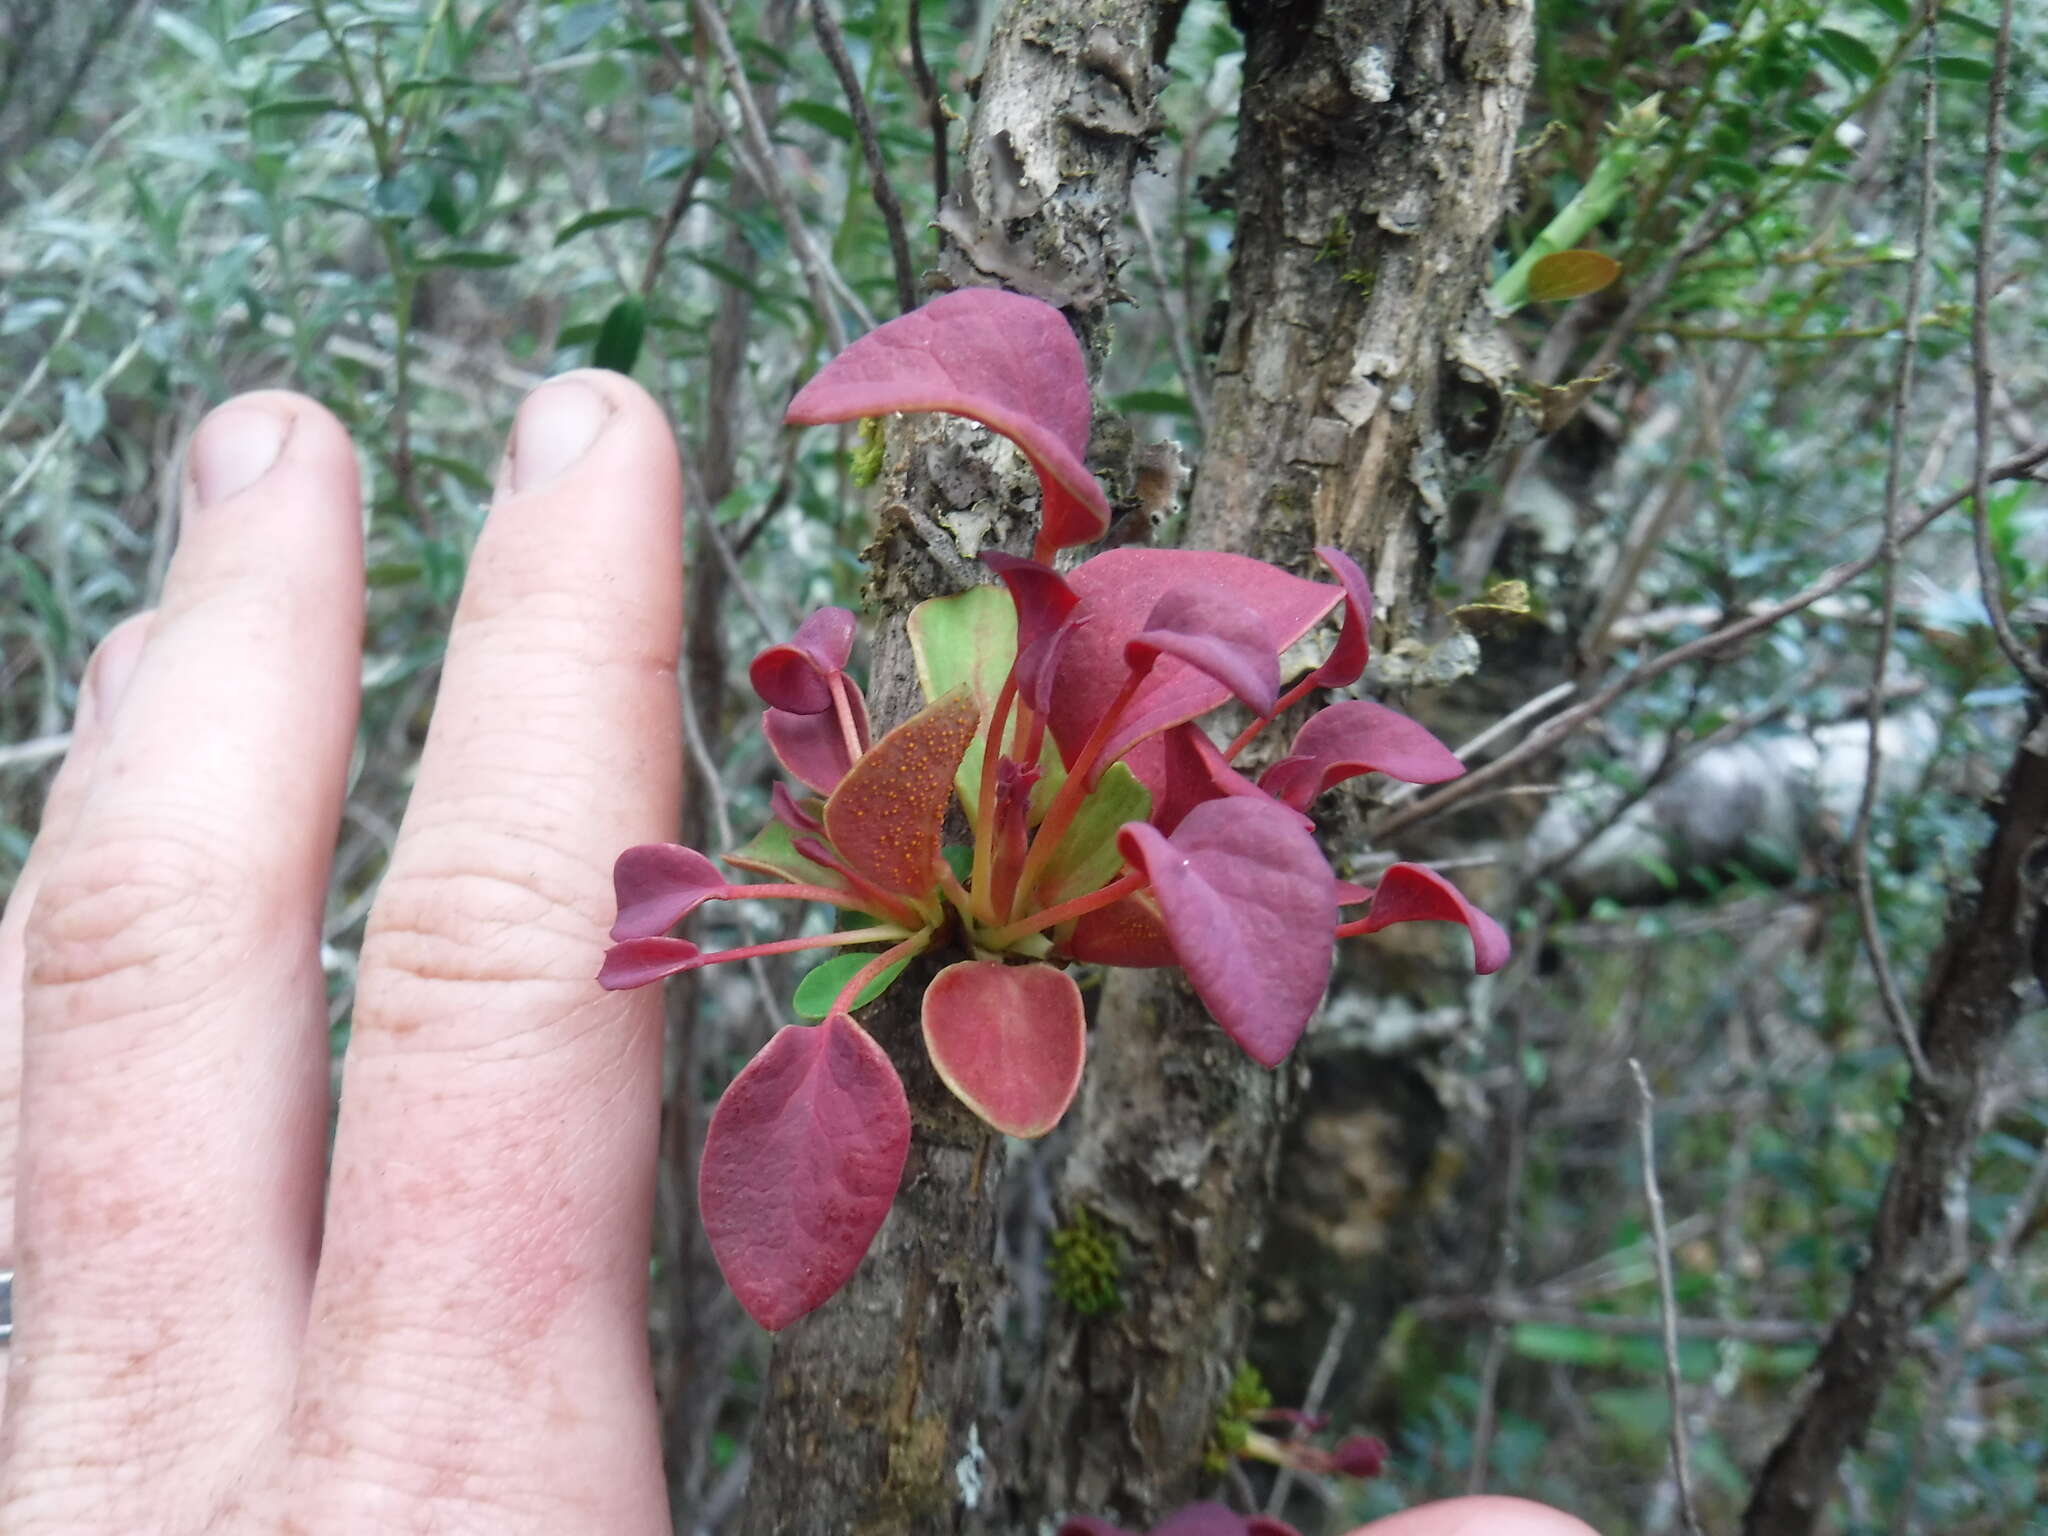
<point x="233" y="449"/>
<point x="555" y="428"/>
<point x="113" y="665"/>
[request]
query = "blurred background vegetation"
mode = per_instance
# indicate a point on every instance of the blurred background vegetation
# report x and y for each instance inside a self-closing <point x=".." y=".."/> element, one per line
<point x="416" y="211"/>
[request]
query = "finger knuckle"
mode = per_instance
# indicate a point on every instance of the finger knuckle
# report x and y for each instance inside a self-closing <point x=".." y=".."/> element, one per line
<point x="481" y="918"/>
<point x="130" y="922"/>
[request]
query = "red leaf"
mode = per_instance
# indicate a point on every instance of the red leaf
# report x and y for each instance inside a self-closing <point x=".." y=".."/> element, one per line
<point x="884" y="816"/>
<point x="1088" y="1525"/>
<point x="813" y="747"/>
<point x="1355" y="736"/>
<point x="1203" y="1520"/>
<point x="658" y="885"/>
<point x="1004" y="360"/>
<point x="792" y="676"/>
<point x="1126" y="933"/>
<point x="637" y="962"/>
<point x="1414" y="893"/>
<point x="1009" y="1040"/>
<point x="1346" y="662"/>
<point x="1195" y="772"/>
<point x="1266" y="1525"/>
<point x="1251" y="907"/>
<point x="801" y="1163"/>
<point x="790" y="811"/>
<point x="1041" y="594"/>
<point x="1204" y="628"/>
<point x="1118" y="591"/>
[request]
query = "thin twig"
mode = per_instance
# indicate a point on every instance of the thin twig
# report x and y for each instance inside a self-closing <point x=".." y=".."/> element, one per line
<point x="1903" y="1025"/>
<point x="1487" y="1417"/>
<point x="1667" y="1298"/>
<point x="1509" y="723"/>
<point x="1548" y="738"/>
<point x="1768" y="1332"/>
<point x="928" y="87"/>
<point x="1981" y="367"/>
<point x="37" y="749"/>
<point x="1318" y="1387"/>
<point x="62" y="431"/>
<point x="1176" y="322"/>
<point x="833" y="41"/>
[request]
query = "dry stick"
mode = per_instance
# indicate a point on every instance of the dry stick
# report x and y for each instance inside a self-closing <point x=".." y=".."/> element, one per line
<point x="1988" y="578"/>
<point x="928" y="86"/>
<point x="757" y="157"/>
<point x="38" y="749"/>
<point x="1667" y="1299"/>
<point x="2018" y="1218"/>
<point x="1487" y="1417"/>
<point x="1176" y="321"/>
<point x="1542" y="704"/>
<point x="1318" y="1387"/>
<point x="833" y="41"/>
<point x="1895" y="1012"/>
<point x="2019" y="466"/>
<point x="1771" y="1332"/>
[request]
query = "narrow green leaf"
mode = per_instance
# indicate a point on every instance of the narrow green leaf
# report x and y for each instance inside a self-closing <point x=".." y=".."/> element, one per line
<point x="822" y="983"/>
<point x="477" y="261"/>
<point x="1954" y="66"/>
<point x="820" y="115"/>
<point x="619" y="338"/>
<point x="1848" y="53"/>
<point x="266" y="18"/>
<point x="295" y="106"/>
<point x="1898" y="10"/>
<point x="1088" y="858"/>
<point x="599" y="219"/>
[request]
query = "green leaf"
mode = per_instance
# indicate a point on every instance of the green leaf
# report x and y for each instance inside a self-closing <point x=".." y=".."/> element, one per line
<point x="266" y="18"/>
<point x="1161" y="402"/>
<point x="85" y="412"/>
<point x="819" y="115"/>
<point x="1954" y="66"/>
<point x="476" y="261"/>
<point x="969" y="640"/>
<point x="619" y="338"/>
<point x="295" y="106"/>
<point x="1565" y="1345"/>
<point x="188" y="35"/>
<point x="823" y="983"/>
<point x="1848" y="53"/>
<point x="467" y="473"/>
<point x="773" y="852"/>
<point x="1899" y="11"/>
<point x="1088" y="858"/>
<point x="599" y="219"/>
<point x="1969" y="23"/>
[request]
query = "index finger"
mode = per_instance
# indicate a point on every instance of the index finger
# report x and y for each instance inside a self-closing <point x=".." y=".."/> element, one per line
<point x="1480" y="1515"/>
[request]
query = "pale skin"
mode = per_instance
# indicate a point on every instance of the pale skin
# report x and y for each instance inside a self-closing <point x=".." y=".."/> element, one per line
<point x="443" y="1331"/>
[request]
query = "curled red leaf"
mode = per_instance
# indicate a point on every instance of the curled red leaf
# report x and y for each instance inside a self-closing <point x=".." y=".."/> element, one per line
<point x="1415" y="893"/>
<point x="1251" y="907"/>
<point x="813" y="748"/>
<point x="794" y="675"/>
<point x="1004" y="360"/>
<point x="1355" y="736"/>
<point x="1203" y="627"/>
<point x="658" y="885"/>
<point x="801" y="1163"/>
<point x="1346" y="662"/>
<point x="638" y="962"/>
<point x="1118" y="592"/>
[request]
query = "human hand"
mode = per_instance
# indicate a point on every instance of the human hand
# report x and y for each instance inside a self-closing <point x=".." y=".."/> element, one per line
<point x="449" y="1331"/>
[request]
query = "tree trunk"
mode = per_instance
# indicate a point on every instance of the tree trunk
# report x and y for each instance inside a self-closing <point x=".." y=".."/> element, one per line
<point x="1360" y="380"/>
<point x="871" y="1423"/>
<point x="1990" y="956"/>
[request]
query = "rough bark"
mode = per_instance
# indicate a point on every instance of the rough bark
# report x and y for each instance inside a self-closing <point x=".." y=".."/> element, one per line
<point x="1918" y="1247"/>
<point x="1359" y="380"/>
<point x="871" y="1421"/>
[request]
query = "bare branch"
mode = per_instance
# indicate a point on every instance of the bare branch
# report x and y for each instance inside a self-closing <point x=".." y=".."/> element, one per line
<point x="1318" y="1386"/>
<point x="1866" y="811"/>
<point x="1667" y="1299"/>
<point x="1982" y="368"/>
<point x="833" y="41"/>
<point x="1509" y="723"/>
<point x="934" y="105"/>
<point x="2019" y="466"/>
<point x="1176" y="321"/>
